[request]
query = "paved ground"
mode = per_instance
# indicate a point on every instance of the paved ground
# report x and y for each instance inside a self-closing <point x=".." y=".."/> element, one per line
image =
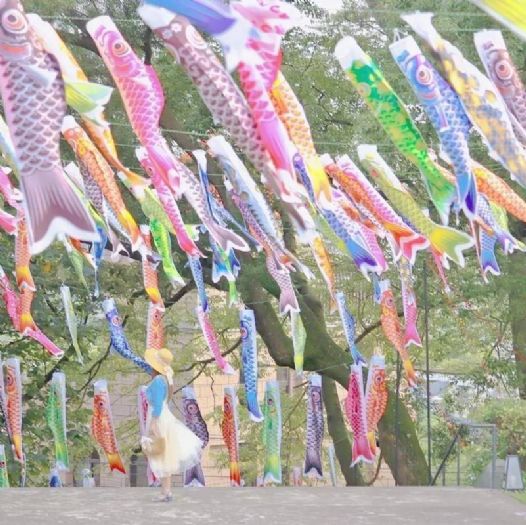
<point x="302" y="506"/>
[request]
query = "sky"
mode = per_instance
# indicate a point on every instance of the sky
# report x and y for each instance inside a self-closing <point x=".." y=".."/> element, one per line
<point x="330" y="5"/>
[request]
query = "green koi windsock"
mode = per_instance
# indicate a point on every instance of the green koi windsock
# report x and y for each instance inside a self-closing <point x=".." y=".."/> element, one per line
<point x="272" y="433"/>
<point x="56" y="418"/>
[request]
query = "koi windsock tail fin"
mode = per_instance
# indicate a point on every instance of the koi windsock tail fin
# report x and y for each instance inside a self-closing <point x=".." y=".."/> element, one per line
<point x="312" y="467"/>
<point x="137" y="182"/>
<point x="488" y="261"/>
<point x="408" y="242"/>
<point x="450" y="242"/>
<point x="24" y="279"/>
<point x="87" y="98"/>
<point x="467" y="195"/>
<point x="372" y="442"/>
<point x="364" y="260"/>
<point x="227" y="239"/>
<point x="194" y="477"/>
<point x="235" y="474"/>
<point x="43" y="339"/>
<point x="254" y="410"/>
<point x="412" y="337"/>
<point x="115" y="462"/>
<point x="128" y="222"/>
<point x="16" y="440"/>
<point x="361" y="451"/>
<point x="319" y="180"/>
<point x="52" y="208"/>
<point x="410" y="373"/>
<point x="272" y="469"/>
<point x="288" y="302"/>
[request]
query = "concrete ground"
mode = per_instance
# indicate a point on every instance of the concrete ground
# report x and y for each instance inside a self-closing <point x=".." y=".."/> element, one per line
<point x="272" y="506"/>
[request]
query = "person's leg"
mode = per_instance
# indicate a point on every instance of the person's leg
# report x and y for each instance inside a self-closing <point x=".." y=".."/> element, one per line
<point x="166" y="486"/>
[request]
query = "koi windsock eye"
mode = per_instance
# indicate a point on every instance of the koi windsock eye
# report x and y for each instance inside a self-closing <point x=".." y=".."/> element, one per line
<point x="503" y="70"/>
<point x="14" y="21"/>
<point x="424" y="75"/>
<point x="120" y="48"/>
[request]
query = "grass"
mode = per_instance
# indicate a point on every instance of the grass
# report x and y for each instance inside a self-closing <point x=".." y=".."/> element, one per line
<point x="521" y="496"/>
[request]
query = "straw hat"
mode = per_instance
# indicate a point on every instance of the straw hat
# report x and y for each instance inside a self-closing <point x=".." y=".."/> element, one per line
<point x="160" y="360"/>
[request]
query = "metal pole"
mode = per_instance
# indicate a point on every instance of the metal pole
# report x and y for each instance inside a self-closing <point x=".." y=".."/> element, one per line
<point x="397" y="411"/>
<point x="428" y="387"/>
<point x="458" y="463"/>
<point x="493" y="455"/>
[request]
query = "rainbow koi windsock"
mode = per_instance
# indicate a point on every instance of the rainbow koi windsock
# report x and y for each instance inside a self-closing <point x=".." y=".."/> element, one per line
<point x="168" y="202"/>
<point x="393" y="330"/>
<point x="51" y="205"/>
<point x="141" y="94"/>
<point x="227" y="105"/>
<point x="315" y="427"/>
<point x="155" y="327"/>
<point x="230" y="431"/>
<point x="71" y="320"/>
<point x="444" y="239"/>
<point x="403" y="240"/>
<point x="97" y="168"/>
<point x="501" y="228"/>
<point x="511" y="13"/>
<point x="149" y="270"/>
<point x="56" y="418"/>
<point x="390" y="110"/>
<point x="13" y="396"/>
<point x="444" y="109"/>
<point x="376" y="395"/>
<point x="299" y="339"/>
<point x="249" y="357"/>
<point x="119" y="342"/>
<point x="355" y="410"/>
<point x="293" y="116"/>
<point x="4" y="478"/>
<point x="481" y="99"/>
<point x="211" y="340"/>
<point x="349" y="328"/>
<point x="272" y="433"/>
<point x="102" y="425"/>
<point x="411" y="335"/>
<point x="500" y="68"/>
<point x="195" y="422"/>
<point x="142" y="410"/>
<point x="163" y="245"/>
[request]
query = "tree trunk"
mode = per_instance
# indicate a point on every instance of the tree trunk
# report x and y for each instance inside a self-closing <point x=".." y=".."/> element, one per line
<point x="338" y="432"/>
<point x="517" y="301"/>
<point x="324" y="356"/>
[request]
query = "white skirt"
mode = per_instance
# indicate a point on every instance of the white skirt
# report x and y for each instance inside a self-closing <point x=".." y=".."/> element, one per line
<point x="182" y="448"/>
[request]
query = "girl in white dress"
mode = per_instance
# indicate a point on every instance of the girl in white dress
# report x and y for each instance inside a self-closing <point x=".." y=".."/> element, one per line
<point x="182" y="448"/>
